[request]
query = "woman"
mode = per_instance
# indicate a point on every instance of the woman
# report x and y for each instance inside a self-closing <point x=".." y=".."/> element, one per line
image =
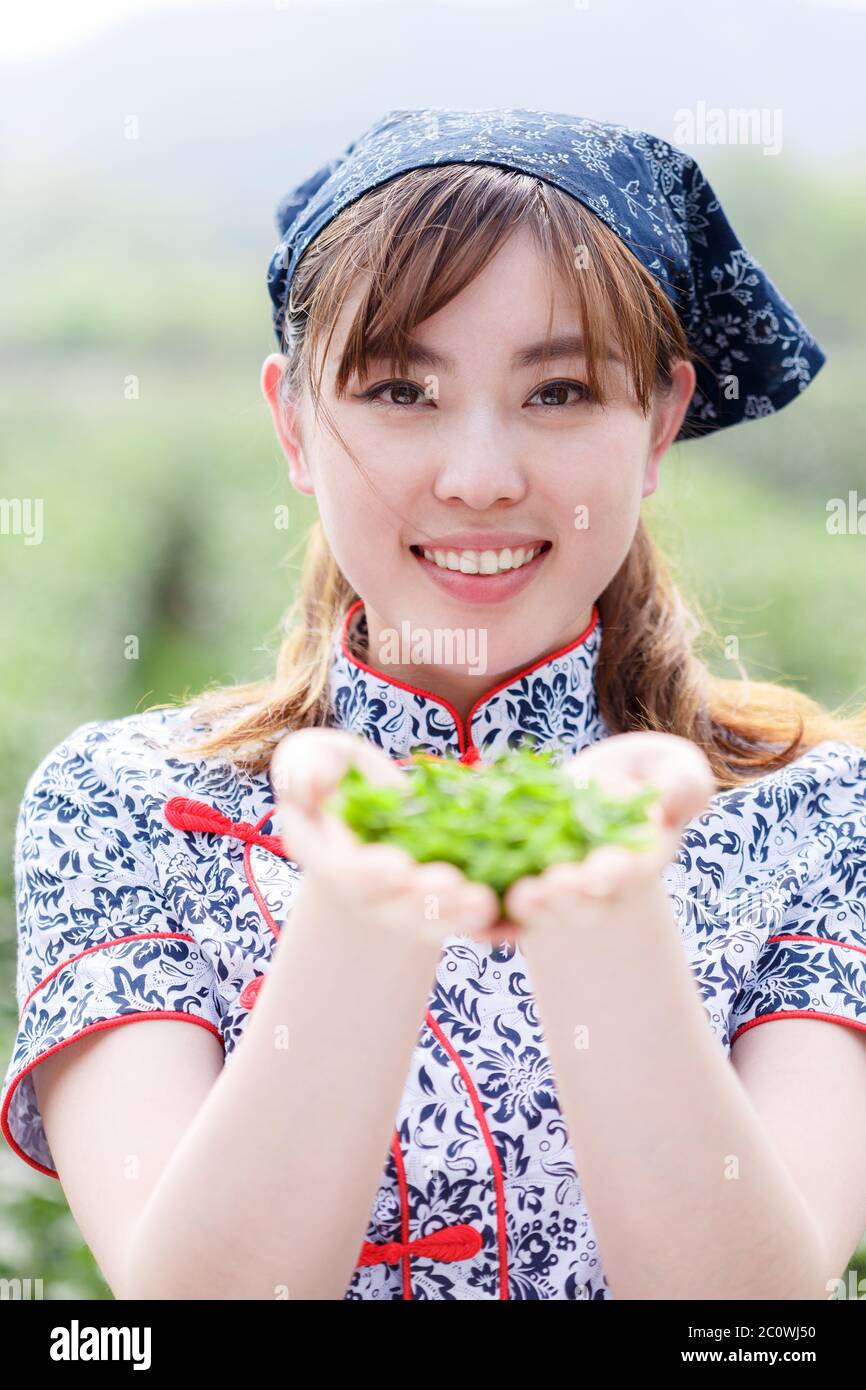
<point x="504" y="319"/>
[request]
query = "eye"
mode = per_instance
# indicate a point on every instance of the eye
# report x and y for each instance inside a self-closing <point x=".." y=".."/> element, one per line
<point x="585" y="396"/>
<point x="374" y="394"/>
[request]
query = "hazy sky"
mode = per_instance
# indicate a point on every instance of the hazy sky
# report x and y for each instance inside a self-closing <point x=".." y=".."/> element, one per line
<point x="223" y="105"/>
<point x="41" y="27"/>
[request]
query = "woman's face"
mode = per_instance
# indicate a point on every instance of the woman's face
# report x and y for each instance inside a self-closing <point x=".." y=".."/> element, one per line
<point x="476" y="450"/>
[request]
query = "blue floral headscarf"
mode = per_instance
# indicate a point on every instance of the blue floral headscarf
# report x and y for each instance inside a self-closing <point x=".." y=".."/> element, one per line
<point x="760" y="354"/>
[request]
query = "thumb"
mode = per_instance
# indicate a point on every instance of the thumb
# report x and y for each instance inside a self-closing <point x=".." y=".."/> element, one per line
<point x="308" y="764"/>
<point x="319" y="842"/>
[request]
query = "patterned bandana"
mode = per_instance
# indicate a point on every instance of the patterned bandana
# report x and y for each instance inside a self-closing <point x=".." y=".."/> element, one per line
<point x="553" y="699"/>
<point x="760" y="354"/>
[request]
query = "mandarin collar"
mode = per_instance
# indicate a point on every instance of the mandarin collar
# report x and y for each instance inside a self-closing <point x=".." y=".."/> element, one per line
<point x="553" y="698"/>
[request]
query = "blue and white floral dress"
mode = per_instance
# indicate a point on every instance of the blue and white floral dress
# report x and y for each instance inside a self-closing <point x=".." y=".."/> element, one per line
<point x="123" y="916"/>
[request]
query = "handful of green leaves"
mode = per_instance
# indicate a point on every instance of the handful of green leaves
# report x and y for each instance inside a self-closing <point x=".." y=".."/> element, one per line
<point x="511" y="817"/>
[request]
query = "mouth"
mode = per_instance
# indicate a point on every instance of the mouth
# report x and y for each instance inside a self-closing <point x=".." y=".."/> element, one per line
<point x="487" y="576"/>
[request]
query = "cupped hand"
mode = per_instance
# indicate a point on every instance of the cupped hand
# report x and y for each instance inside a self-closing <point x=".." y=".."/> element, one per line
<point x="368" y="885"/>
<point x="622" y="765"/>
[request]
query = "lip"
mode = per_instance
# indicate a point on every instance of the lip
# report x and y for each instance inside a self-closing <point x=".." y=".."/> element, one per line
<point x="482" y="589"/>
<point x="482" y="540"/>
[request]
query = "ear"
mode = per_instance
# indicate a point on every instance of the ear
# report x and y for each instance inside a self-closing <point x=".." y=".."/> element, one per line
<point x="286" y="418"/>
<point x="668" y="414"/>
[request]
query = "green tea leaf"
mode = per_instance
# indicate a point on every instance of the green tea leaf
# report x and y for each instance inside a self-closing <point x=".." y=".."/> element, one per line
<point x="497" y="822"/>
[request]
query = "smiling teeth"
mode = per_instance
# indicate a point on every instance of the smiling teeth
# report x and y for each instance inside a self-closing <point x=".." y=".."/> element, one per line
<point x="482" y="561"/>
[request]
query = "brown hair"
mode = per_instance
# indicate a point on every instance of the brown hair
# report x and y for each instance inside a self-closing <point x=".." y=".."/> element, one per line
<point x="419" y="240"/>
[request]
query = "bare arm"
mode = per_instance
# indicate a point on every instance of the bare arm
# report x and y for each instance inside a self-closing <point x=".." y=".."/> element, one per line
<point x="689" y="1195"/>
<point x="271" y="1185"/>
<point x="705" y="1179"/>
<point x="259" y="1177"/>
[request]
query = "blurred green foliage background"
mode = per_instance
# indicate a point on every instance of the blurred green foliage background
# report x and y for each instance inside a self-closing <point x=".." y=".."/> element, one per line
<point x="159" y="505"/>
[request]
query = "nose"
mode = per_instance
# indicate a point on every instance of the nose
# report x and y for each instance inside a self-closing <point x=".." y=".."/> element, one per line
<point x="481" y="463"/>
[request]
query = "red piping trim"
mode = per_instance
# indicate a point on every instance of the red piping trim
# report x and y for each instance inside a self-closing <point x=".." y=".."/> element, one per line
<point x="101" y="946"/>
<point x="58" y="1047"/>
<point x="804" y="1013"/>
<point x="798" y="1013"/>
<point x="464" y="731"/>
<point x="821" y="940"/>
<point x="251" y="878"/>
<point x="499" y="1185"/>
<point x="464" y="1236"/>
<point x="404" y="1213"/>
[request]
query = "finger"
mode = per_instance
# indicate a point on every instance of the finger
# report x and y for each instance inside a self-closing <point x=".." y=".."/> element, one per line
<point x="468" y="907"/>
<point x="679" y="767"/>
<point x="626" y="763"/>
<point x="310" y="763"/>
<point x="306" y="766"/>
<point x="380" y="871"/>
<point x="690" y="793"/>
<point x="613" y="780"/>
<point x="553" y="895"/>
<point x="524" y="897"/>
<point x="482" y="906"/>
<point x="612" y="870"/>
<point x="376" y="765"/>
<point x="317" y="841"/>
<point x="668" y="826"/>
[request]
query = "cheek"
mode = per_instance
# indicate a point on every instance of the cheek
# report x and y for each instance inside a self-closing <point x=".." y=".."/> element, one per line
<point x="599" y="510"/>
<point x="376" y="490"/>
<point x="602" y="501"/>
<point x="617" y="494"/>
<point x="363" y="520"/>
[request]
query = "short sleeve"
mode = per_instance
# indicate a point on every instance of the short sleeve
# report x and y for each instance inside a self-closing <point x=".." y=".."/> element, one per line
<point x="813" y="962"/>
<point x="97" y="944"/>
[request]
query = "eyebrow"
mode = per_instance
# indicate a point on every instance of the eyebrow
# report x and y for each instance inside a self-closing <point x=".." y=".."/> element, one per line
<point x="565" y="345"/>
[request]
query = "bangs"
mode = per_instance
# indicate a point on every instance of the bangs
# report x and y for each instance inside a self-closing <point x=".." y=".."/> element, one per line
<point x="417" y="241"/>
